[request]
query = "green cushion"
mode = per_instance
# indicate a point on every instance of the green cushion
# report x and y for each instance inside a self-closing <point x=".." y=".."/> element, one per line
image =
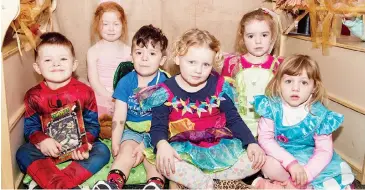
<point x="123" y="69"/>
<point x="137" y="175"/>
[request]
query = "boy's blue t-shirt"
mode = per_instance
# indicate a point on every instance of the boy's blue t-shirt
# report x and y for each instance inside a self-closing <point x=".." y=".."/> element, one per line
<point x="125" y="92"/>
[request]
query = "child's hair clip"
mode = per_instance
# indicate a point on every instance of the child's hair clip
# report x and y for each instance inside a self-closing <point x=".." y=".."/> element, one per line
<point x="269" y="12"/>
<point x="103" y="1"/>
<point x="264" y="11"/>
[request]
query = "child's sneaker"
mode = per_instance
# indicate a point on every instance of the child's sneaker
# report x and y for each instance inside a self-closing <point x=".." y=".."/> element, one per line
<point x="154" y="183"/>
<point x="33" y="185"/>
<point x="261" y="183"/>
<point x="151" y="185"/>
<point x="105" y="185"/>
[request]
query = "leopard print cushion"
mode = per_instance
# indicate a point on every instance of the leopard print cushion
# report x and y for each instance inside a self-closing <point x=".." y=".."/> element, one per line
<point x="231" y="184"/>
<point x="223" y="184"/>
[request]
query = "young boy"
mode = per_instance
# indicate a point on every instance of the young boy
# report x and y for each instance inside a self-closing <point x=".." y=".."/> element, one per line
<point x="55" y="61"/>
<point x="130" y="122"/>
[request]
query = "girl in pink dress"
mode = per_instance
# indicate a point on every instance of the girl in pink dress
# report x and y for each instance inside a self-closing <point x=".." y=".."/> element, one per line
<point x="110" y="28"/>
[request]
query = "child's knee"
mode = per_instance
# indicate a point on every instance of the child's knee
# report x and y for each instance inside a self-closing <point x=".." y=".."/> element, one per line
<point x="245" y="165"/>
<point x="125" y="154"/>
<point x="127" y="147"/>
<point x="272" y="163"/>
<point x="26" y="154"/>
<point x="100" y="148"/>
<point x="101" y="151"/>
<point x="22" y="152"/>
<point x="21" y="157"/>
<point x="274" y="170"/>
<point x="26" y="149"/>
<point x="244" y="160"/>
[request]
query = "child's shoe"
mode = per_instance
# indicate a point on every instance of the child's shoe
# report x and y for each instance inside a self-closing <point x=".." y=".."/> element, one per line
<point x="154" y="183"/>
<point x="105" y="185"/>
<point x="151" y="185"/>
<point x="261" y="183"/>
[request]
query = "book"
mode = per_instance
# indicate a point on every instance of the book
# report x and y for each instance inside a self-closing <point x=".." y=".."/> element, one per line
<point x="66" y="126"/>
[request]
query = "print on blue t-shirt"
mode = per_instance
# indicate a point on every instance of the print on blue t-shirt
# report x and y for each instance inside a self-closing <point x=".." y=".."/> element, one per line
<point x="125" y="91"/>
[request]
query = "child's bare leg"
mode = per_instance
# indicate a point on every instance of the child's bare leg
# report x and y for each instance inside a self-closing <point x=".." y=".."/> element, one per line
<point x="151" y="170"/>
<point x="122" y="164"/>
<point x="274" y="170"/>
<point x="153" y="175"/>
<point x="124" y="160"/>
<point x="279" y="177"/>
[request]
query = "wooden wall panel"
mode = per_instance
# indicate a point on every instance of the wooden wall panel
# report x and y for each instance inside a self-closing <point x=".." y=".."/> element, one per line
<point x="172" y="16"/>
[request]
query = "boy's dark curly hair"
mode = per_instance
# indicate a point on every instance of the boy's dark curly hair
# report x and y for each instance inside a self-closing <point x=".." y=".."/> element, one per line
<point x="150" y="34"/>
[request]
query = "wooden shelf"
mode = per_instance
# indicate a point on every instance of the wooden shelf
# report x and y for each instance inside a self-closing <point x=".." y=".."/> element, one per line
<point x="351" y="42"/>
<point x="346" y="103"/>
<point x="346" y="42"/>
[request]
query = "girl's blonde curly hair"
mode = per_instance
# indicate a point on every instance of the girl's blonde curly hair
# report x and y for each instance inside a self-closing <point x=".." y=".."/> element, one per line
<point x="194" y="37"/>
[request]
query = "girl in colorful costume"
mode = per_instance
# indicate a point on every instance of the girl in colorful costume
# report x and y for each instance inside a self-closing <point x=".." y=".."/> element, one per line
<point x="295" y="130"/>
<point x="199" y="138"/>
<point x="110" y="27"/>
<point x="253" y="67"/>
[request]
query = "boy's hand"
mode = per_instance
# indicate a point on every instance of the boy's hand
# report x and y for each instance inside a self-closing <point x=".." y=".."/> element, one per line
<point x="115" y="149"/>
<point x="298" y="175"/>
<point x="256" y="155"/>
<point x="49" y="147"/>
<point x="78" y="155"/>
<point x="165" y="158"/>
<point x="138" y="154"/>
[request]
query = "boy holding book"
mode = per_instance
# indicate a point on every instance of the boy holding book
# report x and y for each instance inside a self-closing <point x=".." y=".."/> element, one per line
<point x="61" y="121"/>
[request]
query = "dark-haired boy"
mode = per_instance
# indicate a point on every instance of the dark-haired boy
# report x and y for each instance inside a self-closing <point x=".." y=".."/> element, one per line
<point x="130" y="122"/>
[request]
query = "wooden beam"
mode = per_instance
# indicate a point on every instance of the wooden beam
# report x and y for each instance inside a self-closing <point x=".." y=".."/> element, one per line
<point x="345" y="42"/>
<point x="14" y="119"/>
<point x="7" y="181"/>
<point x="19" y="180"/>
<point x="346" y="103"/>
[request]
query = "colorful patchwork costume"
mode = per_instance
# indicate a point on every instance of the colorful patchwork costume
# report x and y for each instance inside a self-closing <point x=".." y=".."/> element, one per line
<point x="41" y="100"/>
<point x="299" y="143"/>
<point x="204" y="128"/>
<point x="250" y="80"/>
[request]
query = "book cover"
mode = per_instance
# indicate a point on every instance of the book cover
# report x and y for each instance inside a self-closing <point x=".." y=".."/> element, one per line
<point x="66" y="126"/>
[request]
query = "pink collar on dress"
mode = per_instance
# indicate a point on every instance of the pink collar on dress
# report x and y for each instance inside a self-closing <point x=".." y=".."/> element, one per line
<point x="265" y="65"/>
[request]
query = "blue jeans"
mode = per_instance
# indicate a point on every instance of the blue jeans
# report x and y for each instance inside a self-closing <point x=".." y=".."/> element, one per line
<point x="137" y="137"/>
<point x="99" y="156"/>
